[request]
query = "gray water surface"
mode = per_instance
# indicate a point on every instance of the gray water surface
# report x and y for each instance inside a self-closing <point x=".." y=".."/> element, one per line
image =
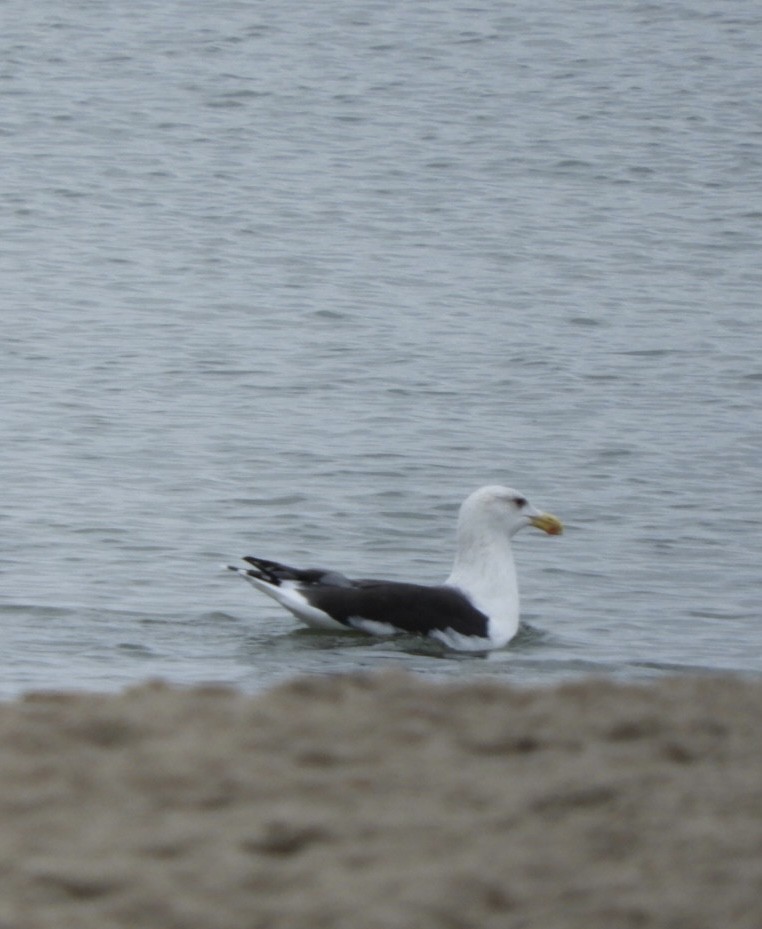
<point x="293" y="279"/>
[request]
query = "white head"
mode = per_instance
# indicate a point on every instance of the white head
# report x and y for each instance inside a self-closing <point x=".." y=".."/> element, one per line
<point x="502" y="510"/>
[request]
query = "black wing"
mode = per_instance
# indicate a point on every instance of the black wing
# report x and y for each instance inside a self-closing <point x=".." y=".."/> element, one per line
<point x="409" y="607"/>
<point x="414" y="608"/>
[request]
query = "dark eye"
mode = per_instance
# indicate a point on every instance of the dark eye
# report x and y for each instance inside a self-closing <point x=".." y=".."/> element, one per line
<point x="520" y="501"/>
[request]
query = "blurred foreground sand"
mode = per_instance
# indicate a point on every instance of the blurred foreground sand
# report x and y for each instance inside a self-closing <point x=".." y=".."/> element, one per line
<point x="384" y="802"/>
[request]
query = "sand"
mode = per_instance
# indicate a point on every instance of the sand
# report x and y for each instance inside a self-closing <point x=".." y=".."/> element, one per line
<point x="383" y="802"/>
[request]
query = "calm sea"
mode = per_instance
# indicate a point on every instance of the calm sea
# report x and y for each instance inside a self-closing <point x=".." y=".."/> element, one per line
<point x="292" y="279"/>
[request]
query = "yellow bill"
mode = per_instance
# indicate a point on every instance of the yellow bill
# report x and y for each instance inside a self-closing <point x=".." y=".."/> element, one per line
<point x="548" y="523"/>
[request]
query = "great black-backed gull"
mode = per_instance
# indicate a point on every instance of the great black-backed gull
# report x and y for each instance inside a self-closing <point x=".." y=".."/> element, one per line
<point x="477" y="607"/>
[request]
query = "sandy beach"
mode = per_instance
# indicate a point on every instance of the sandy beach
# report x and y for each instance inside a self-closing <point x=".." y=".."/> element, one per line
<point x="383" y="802"/>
